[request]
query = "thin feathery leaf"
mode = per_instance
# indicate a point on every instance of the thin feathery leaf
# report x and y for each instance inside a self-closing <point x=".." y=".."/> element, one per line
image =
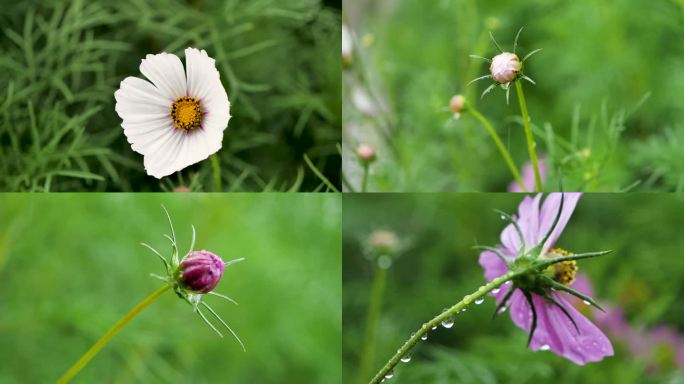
<point x="476" y="57"/>
<point x="207" y="321"/>
<point x="478" y="79"/>
<point x="515" y="42"/>
<point x="223" y="296"/>
<point x="491" y="35"/>
<point x="530" y="54"/>
<point x="225" y="325"/>
<point x="487" y="90"/>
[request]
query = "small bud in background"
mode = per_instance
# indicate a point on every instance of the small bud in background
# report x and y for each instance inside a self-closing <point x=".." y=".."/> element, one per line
<point x="346" y="47"/>
<point x="492" y="23"/>
<point x="181" y="188"/>
<point x="585" y="153"/>
<point x="457" y="103"/>
<point x="383" y="242"/>
<point x="366" y="153"/>
<point x="505" y="67"/>
<point x="201" y="271"/>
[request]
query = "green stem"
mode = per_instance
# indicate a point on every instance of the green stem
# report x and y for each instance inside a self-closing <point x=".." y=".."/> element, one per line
<point x="425" y="328"/>
<point x="499" y="144"/>
<point x="217" y="173"/>
<point x="372" y="319"/>
<point x="107" y="336"/>
<point x="364" y="180"/>
<point x="528" y="135"/>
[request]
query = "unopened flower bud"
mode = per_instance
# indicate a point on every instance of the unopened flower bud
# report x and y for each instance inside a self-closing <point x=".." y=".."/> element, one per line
<point x="201" y="271"/>
<point x="366" y="153"/>
<point x="457" y="103"/>
<point x="505" y="67"/>
<point x="383" y="242"/>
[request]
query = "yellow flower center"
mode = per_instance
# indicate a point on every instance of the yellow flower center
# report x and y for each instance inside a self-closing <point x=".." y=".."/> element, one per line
<point x="186" y="113"/>
<point x="563" y="272"/>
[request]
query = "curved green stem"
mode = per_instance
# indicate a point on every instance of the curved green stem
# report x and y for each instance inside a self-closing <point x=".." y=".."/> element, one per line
<point x="528" y="135"/>
<point x="364" y="180"/>
<point x="107" y="336"/>
<point x="425" y="328"/>
<point x="499" y="144"/>
<point x="372" y="319"/>
<point x="217" y="173"/>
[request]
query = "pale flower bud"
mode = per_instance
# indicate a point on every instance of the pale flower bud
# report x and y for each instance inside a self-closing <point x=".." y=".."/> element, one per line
<point x="505" y="67"/>
<point x="366" y="153"/>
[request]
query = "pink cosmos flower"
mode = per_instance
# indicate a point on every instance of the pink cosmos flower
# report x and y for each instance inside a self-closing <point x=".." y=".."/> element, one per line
<point x="559" y="326"/>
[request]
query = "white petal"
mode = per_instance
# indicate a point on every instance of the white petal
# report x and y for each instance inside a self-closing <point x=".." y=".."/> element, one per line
<point x="204" y="81"/>
<point x="160" y="159"/>
<point x="166" y="72"/>
<point x="144" y="137"/>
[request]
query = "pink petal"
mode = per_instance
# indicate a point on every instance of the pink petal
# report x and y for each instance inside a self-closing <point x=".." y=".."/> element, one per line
<point x="555" y="330"/>
<point x="528" y="221"/>
<point x="494" y="267"/>
<point x="548" y="214"/>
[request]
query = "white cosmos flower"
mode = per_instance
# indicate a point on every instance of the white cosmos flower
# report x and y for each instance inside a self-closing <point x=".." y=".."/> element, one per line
<point x="177" y="118"/>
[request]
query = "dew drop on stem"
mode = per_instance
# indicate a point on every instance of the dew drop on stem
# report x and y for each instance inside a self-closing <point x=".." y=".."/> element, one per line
<point x="424" y="337"/>
<point x="479" y="301"/>
<point x="496" y="291"/>
<point x="448" y="322"/>
<point x="406" y="358"/>
<point x="389" y="375"/>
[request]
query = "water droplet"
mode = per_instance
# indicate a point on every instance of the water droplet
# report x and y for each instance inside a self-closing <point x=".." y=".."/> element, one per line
<point x="448" y="322"/>
<point x="508" y="282"/>
<point x="406" y="358"/>
<point x="384" y="262"/>
<point x="502" y="310"/>
<point x="586" y="302"/>
<point x="503" y="217"/>
<point x="389" y="375"/>
<point x="496" y="291"/>
<point x="479" y="301"/>
<point x="464" y="309"/>
<point x="424" y="337"/>
<point x="544" y="347"/>
<point x="434" y="327"/>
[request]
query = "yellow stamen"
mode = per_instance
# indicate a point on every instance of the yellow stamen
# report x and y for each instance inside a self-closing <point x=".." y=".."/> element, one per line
<point x="186" y="113"/>
<point x="564" y="272"/>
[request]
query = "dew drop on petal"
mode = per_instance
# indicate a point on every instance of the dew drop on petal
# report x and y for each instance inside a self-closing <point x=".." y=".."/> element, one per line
<point x="406" y="358"/>
<point x="479" y="301"/>
<point x="448" y="322"/>
<point x="544" y="347"/>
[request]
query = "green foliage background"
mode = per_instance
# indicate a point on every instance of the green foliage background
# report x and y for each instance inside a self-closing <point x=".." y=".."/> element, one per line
<point x="61" y="61"/>
<point x="71" y="265"/>
<point x="438" y="267"/>
<point x="600" y="61"/>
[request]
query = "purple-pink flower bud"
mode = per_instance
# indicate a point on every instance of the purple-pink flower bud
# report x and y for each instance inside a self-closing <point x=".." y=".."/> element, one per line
<point x="201" y="271"/>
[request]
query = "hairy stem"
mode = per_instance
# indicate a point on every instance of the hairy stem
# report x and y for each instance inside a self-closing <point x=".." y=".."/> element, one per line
<point x="528" y="135"/>
<point x="499" y="144"/>
<point x="216" y="173"/>
<point x="364" y="180"/>
<point x="107" y="336"/>
<point x="372" y="318"/>
<point x="425" y="328"/>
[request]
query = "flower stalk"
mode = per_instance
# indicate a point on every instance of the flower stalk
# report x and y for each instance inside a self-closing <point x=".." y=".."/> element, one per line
<point x="499" y="144"/>
<point x="426" y="327"/>
<point x="372" y="319"/>
<point x="83" y="361"/>
<point x="528" y="136"/>
<point x="216" y="167"/>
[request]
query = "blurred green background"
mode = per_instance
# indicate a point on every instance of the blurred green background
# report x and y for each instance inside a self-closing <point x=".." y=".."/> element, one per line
<point x="438" y="266"/>
<point x="61" y="62"/>
<point x="600" y="61"/>
<point x="71" y="265"/>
